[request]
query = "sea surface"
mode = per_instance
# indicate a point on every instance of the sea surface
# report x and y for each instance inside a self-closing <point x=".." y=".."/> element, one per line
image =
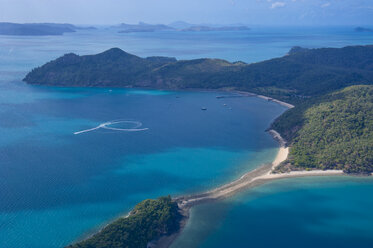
<point x="290" y="213"/>
<point x="58" y="184"/>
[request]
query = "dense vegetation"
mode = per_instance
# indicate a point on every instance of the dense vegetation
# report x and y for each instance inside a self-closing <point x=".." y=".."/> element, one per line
<point x="301" y="74"/>
<point x="149" y="220"/>
<point x="334" y="131"/>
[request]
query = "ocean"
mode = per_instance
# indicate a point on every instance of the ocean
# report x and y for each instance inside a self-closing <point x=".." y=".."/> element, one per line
<point x="58" y="185"/>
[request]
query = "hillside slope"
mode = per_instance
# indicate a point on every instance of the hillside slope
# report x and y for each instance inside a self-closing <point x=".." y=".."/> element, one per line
<point x="301" y="74"/>
<point x="148" y="220"/>
<point x="334" y="131"/>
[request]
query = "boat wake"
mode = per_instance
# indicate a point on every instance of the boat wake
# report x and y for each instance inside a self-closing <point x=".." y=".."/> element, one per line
<point x="107" y="125"/>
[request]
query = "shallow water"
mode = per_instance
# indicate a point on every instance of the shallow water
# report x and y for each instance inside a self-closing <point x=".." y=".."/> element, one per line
<point x="57" y="187"/>
<point x="303" y="212"/>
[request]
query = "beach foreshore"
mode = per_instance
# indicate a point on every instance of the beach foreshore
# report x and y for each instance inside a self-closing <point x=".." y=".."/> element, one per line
<point x="259" y="176"/>
<point x="270" y="99"/>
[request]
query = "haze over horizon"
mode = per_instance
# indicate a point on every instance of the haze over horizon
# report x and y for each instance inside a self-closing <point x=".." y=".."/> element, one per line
<point x="250" y="12"/>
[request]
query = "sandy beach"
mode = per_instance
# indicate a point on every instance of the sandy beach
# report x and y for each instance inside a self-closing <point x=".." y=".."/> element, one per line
<point x="251" y="179"/>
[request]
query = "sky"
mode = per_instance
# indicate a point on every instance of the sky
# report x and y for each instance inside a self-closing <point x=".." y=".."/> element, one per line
<point x="252" y="12"/>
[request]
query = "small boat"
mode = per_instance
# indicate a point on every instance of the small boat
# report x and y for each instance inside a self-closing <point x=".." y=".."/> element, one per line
<point x="203" y="108"/>
<point x="225" y="104"/>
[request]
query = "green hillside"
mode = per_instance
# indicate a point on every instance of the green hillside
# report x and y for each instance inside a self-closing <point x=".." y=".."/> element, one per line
<point x="149" y="220"/>
<point x="301" y="74"/>
<point x="334" y="131"/>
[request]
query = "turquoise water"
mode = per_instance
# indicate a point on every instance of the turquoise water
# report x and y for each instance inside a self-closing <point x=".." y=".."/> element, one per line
<point x="57" y="187"/>
<point x="304" y="212"/>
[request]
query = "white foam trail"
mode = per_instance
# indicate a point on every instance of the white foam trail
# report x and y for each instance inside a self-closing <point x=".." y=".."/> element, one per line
<point x="106" y="125"/>
<point x="126" y="130"/>
<point x="87" y="130"/>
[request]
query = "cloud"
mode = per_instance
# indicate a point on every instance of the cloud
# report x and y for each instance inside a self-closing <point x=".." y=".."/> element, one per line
<point x="325" y="5"/>
<point x="277" y="5"/>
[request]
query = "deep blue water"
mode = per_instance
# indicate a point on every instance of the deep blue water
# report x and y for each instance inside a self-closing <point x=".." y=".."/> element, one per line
<point x="292" y="213"/>
<point x="57" y="187"/>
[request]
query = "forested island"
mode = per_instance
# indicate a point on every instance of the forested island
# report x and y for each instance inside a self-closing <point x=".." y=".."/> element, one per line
<point x="149" y="220"/>
<point x="301" y="74"/>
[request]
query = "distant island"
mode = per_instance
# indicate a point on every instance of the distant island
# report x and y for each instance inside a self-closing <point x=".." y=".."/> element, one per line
<point x="176" y="26"/>
<point x="207" y="28"/>
<point x="37" y="29"/>
<point x="142" y="27"/>
<point x="362" y="29"/>
<point x="44" y="29"/>
<point x="328" y="132"/>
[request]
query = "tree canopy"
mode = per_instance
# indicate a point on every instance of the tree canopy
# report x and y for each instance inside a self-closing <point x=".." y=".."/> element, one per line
<point x="334" y="131"/>
<point x="148" y="220"/>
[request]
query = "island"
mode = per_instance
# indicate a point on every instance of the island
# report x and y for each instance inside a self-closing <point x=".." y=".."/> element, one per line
<point x="176" y="26"/>
<point x="38" y="29"/>
<point x="200" y="28"/>
<point x="180" y="25"/>
<point x="362" y="29"/>
<point x="142" y="27"/>
<point x="327" y="130"/>
<point x="300" y="74"/>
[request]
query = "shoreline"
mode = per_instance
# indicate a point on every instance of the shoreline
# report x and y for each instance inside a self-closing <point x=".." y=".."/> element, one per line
<point x="269" y="99"/>
<point x="218" y="90"/>
<point x="166" y="241"/>
<point x="251" y="179"/>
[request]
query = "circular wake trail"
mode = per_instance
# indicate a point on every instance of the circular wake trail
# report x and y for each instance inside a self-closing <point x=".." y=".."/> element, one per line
<point x="106" y="125"/>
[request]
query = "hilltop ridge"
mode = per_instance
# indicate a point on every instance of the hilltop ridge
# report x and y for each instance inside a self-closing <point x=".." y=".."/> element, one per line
<point x="300" y="74"/>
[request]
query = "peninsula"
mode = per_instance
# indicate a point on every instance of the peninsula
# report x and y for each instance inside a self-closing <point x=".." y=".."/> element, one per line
<point x="121" y="233"/>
